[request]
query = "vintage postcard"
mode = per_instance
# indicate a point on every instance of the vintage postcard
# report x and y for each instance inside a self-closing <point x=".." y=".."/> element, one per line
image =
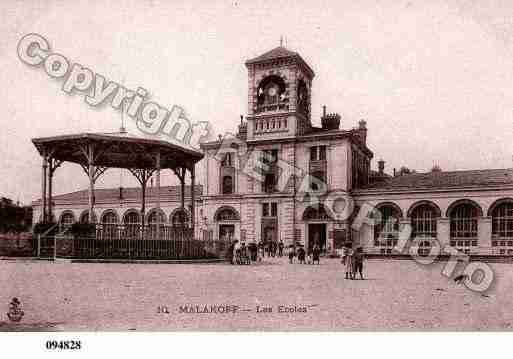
<point x="270" y="166"/>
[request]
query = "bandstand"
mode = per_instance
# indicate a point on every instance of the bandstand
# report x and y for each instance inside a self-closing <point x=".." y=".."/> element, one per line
<point x="97" y="152"/>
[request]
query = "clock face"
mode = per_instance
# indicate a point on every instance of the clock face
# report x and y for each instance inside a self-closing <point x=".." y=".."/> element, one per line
<point x="272" y="91"/>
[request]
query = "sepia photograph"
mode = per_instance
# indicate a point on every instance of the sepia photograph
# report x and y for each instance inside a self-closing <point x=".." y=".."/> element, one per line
<point x="255" y="167"/>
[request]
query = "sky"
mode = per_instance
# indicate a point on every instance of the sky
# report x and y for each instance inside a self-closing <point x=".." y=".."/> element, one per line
<point x="432" y="79"/>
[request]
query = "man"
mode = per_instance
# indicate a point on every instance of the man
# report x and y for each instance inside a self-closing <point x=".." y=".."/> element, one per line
<point x="280" y="248"/>
<point x="316" y="254"/>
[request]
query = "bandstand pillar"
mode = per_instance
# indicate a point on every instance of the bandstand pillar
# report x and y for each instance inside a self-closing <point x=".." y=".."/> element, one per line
<point x="182" y="188"/>
<point x="43" y="189"/>
<point x="157" y="167"/>
<point x="90" y="158"/>
<point x="193" y="205"/>
<point x="50" y="181"/>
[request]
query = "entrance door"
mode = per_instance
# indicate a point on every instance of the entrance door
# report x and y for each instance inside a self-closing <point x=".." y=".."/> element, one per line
<point x="317" y="234"/>
<point x="226" y="232"/>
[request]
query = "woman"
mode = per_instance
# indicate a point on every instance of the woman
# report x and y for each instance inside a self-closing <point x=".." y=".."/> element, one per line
<point x="348" y="259"/>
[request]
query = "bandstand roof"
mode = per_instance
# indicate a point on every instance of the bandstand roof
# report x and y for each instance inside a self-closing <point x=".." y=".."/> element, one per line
<point x="117" y="150"/>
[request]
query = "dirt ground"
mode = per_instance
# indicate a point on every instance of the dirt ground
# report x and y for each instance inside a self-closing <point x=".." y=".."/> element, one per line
<point x="272" y="295"/>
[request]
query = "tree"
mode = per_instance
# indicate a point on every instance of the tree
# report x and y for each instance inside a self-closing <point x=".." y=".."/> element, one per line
<point x="13" y="217"/>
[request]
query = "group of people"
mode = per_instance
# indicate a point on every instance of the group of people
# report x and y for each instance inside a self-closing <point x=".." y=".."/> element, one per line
<point x="271" y="248"/>
<point x="240" y="253"/>
<point x="313" y="256"/>
<point x="353" y="261"/>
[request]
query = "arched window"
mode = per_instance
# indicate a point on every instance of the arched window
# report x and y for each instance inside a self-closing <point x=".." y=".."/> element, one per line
<point x="180" y="218"/>
<point x="386" y="231"/>
<point x="502" y="226"/>
<point x="317" y="213"/>
<point x="271" y="90"/>
<point x="110" y="217"/>
<point x="156" y="217"/>
<point x="464" y="227"/>
<point x="227" y="185"/>
<point x="67" y="219"/>
<point x="302" y="97"/>
<point x="227" y="160"/>
<point x="84" y="217"/>
<point x="156" y="221"/>
<point x="423" y="223"/>
<point x="226" y="214"/>
<point x="109" y="224"/>
<point x="131" y="217"/>
<point x="132" y="223"/>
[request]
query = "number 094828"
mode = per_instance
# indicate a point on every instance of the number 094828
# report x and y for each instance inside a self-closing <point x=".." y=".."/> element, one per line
<point x="63" y="344"/>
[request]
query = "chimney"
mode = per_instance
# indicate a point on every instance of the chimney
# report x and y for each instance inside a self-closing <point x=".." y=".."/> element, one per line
<point x="381" y="167"/>
<point x="330" y="121"/>
<point x="362" y="129"/>
<point x="243" y="129"/>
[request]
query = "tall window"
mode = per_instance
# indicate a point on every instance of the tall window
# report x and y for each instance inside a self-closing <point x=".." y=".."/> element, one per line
<point x="318" y="153"/>
<point x="269" y="183"/>
<point x="180" y="218"/>
<point x="109" y="222"/>
<point x="317" y="179"/>
<point x="227" y="160"/>
<point x="84" y="218"/>
<point x="423" y="223"/>
<point x="227" y="185"/>
<point x="270" y="209"/>
<point x="502" y="227"/>
<point x="155" y="221"/>
<point x="270" y="156"/>
<point x="386" y="231"/>
<point x="464" y="218"/>
<point x="67" y="219"/>
<point x="132" y="222"/>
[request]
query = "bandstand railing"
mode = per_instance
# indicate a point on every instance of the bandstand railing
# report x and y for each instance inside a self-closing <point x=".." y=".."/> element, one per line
<point x="132" y="241"/>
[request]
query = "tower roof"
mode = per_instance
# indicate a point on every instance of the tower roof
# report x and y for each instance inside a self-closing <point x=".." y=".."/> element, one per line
<point x="279" y="52"/>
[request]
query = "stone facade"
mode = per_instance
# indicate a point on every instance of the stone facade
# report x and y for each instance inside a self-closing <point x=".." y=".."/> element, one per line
<point x="254" y="184"/>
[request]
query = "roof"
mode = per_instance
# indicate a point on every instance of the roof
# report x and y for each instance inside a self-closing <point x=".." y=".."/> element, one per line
<point x="117" y="150"/>
<point x="444" y="180"/>
<point x="278" y="53"/>
<point x="107" y="195"/>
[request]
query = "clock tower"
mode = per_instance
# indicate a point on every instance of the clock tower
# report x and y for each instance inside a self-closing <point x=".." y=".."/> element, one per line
<point x="279" y="95"/>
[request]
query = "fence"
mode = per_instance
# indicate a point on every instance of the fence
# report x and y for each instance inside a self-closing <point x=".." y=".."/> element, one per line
<point x="133" y="242"/>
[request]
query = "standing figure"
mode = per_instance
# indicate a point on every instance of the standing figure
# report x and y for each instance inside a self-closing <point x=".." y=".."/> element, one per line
<point x="261" y="250"/>
<point x="316" y="254"/>
<point x="280" y="248"/>
<point x="292" y="254"/>
<point x="236" y="252"/>
<point x="301" y="255"/>
<point x="358" y="258"/>
<point x="349" y="263"/>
